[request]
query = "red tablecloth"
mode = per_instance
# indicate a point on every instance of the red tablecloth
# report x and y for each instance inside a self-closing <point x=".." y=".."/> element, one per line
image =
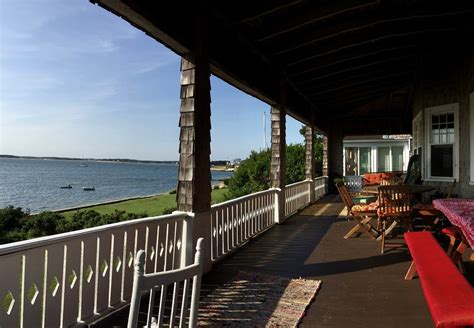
<point x="461" y="213"/>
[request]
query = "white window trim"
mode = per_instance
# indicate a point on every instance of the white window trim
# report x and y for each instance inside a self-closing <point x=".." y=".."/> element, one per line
<point x="427" y="140"/>
<point x="374" y="151"/>
<point x="471" y="136"/>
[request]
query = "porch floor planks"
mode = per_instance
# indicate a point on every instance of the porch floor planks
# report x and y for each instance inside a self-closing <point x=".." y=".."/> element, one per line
<point x="360" y="287"/>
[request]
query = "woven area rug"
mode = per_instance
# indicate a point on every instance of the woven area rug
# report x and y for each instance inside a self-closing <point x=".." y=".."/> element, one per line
<point x="257" y="300"/>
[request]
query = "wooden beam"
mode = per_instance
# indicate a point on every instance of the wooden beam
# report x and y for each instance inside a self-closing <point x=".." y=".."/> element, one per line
<point x="385" y="17"/>
<point x="359" y="82"/>
<point x="268" y="11"/>
<point x="296" y="99"/>
<point x="355" y="52"/>
<point x="386" y="53"/>
<point x="313" y="13"/>
<point x="369" y="88"/>
<point x="356" y="102"/>
<point x="356" y="68"/>
<point x="353" y="78"/>
<point x="356" y="42"/>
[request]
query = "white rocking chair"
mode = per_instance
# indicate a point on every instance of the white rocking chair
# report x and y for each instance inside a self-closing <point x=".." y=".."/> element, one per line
<point x="143" y="282"/>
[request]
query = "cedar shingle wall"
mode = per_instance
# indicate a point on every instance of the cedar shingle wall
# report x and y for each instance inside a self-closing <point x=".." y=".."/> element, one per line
<point x="446" y="81"/>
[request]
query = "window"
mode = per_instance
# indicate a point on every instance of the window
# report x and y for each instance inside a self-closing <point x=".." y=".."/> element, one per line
<point x="379" y="157"/>
<point x="383" y="159"/>
<point x="351" y="161"/>
<point x="418" y="139"/>
<point x="364" y="160"/>
<point x="397" y="158"/>
<point x="442" y="141"/>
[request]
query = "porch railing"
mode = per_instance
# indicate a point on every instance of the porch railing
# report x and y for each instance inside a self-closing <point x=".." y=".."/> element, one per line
<point x="235" y="221"/>
<point x="59" y="280"/>
<point x="297" y="196"/>
<point x="320" y="187"/>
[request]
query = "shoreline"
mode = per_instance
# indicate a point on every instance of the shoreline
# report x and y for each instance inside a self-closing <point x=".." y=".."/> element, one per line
<point x="80" y="207"/>
<point x="219" y="183"/>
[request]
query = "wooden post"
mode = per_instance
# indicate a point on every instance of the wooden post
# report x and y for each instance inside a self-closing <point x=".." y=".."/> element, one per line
<point x="335" y="156"/>
<point x="309" y="160"/>
<point x="194" y="176"/>
<point x="325" y="156"/>
<point x="278" y="160"/>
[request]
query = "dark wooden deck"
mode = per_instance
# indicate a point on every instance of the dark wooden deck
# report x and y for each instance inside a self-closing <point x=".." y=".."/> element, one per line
<point x="360" y="287"/>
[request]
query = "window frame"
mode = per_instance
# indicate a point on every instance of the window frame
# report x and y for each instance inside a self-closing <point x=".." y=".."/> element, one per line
<point x="448" y="108"/>
<point x="418" y="136"/>
<point x="374" y="153"/>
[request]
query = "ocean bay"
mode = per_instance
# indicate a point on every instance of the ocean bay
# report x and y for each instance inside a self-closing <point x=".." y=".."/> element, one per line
<point x="35" y="183"/>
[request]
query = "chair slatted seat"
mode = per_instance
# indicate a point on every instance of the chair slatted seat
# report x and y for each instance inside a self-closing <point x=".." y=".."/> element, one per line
<point x="361" y="213"/>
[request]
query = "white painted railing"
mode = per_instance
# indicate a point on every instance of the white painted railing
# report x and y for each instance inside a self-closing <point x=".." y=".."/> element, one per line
<point x="297" y="196"/>
<point x="235" y="221"/>
<point x="59" y="280"/>
<point x="320" y="187"/>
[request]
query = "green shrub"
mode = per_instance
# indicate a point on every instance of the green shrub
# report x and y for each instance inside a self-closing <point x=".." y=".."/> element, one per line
<point x="11" y="218"/>
<point x="43" y="224"/>
<point x="173" y="192"/>
<point x="169" y="210"/>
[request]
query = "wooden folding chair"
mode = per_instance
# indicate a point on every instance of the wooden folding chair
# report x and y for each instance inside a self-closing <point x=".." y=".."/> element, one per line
<point x="395" y="205"/>
<point x="189" y="275"/>
<point x="361" y="213"/>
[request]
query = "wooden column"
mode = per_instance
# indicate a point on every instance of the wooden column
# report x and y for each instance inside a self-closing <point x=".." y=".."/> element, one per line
<point x="278" y="160"/>
<point x="325" y="156"/>
<point x="194" y="177"/>
<point x="335" y="156"/>
<point x="309" y="153"/>
<point x="309" y="161"/>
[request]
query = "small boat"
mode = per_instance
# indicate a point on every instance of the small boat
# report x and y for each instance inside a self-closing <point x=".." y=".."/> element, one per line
<point x="83" y="165"/>
<point x="88" y="188"/>
<point x="66" y="187"/>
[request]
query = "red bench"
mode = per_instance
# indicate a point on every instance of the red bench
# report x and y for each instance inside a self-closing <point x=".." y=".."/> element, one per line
<point x="448" y="294"/>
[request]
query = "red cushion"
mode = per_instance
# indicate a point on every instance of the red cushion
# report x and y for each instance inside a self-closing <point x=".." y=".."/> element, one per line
<point x="448" y="294"/>
<point x="452" y="231"/>
<point x="372" y="207"/>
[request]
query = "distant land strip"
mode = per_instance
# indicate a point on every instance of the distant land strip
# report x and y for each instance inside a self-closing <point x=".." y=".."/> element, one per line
<point x="115" y="160"/>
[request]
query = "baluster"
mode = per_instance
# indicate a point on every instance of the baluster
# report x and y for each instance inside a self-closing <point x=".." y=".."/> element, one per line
<point x="118" y="266"/>
<point x="184" y="304"/>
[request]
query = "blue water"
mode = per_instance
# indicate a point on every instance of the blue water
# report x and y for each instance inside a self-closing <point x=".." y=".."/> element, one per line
<point x="35" y="184"/>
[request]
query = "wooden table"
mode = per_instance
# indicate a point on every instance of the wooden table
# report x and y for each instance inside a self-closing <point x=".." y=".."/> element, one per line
<point x="414" y="189"/>
<point x="459" y="212"/>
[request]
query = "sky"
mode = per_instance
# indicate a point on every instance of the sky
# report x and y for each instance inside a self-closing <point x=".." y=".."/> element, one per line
<point x="78" y="81"/>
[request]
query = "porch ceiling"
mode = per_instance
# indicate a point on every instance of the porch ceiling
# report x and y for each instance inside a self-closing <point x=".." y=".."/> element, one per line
<point x="340" y="59"/>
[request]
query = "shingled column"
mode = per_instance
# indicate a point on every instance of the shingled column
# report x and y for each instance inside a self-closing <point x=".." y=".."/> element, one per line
<point x="194" y="178"/>
<point x="309" y="160"/>
<point x="335" y="156"/>
<point x="325" y="156"/>
<point x="278" y="160"/>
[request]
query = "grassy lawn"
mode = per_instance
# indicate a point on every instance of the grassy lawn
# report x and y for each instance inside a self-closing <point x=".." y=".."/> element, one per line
<point x="152" y="205"/>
